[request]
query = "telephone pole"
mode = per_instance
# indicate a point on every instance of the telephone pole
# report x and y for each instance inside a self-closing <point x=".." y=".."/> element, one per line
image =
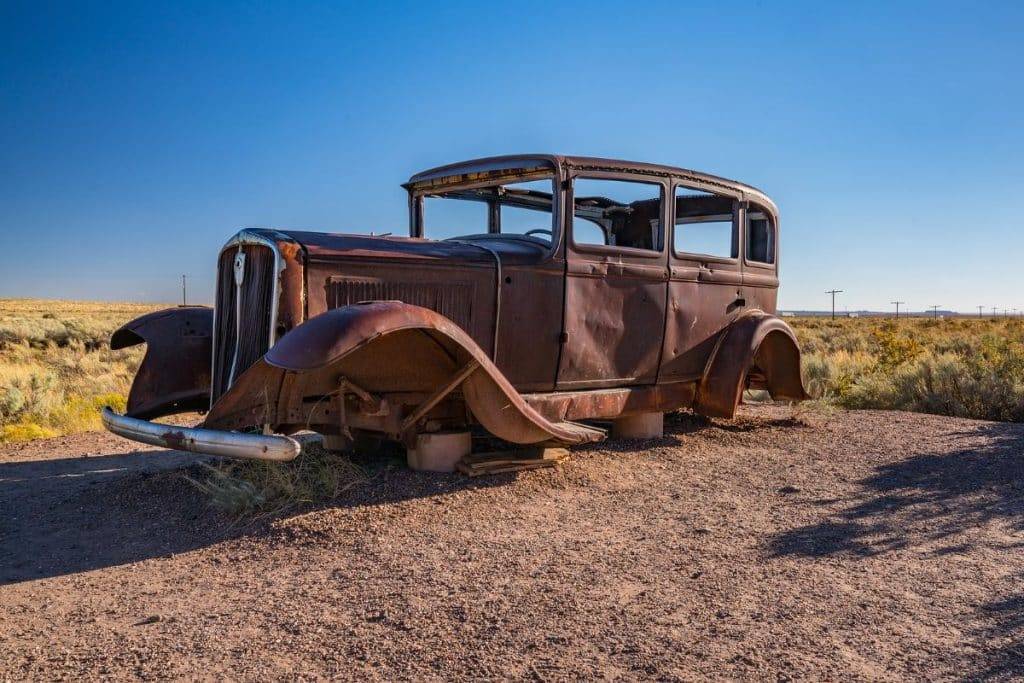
<point x="897" y="307"/>
<point x="833" y="292"/>
<point x="184" y="297"/>
<point x="980" y="309"/>
<point x="935" y="312"/>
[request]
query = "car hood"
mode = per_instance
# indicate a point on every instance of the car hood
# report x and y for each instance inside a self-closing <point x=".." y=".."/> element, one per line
<point x="328" y="246"/>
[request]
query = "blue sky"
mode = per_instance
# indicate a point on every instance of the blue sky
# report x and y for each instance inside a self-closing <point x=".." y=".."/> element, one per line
<point x="136" y="138"/>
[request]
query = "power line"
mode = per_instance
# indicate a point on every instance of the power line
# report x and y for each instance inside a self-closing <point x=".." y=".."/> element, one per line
<point x="833" y="292"/>
<point x="935" y="312"/>
<point x="897" y="307"/>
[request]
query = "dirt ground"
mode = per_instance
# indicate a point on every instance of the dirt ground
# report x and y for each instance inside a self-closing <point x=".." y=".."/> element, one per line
<point x="864" y="545"/>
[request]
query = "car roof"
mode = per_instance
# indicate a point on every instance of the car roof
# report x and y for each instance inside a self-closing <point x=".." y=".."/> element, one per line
<point x="489" y="165"/>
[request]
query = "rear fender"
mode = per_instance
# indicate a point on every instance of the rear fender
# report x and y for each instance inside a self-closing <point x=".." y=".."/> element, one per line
<point x="387" y="348"/>
<point x="175" y="373"/>
<point x="759" y="342"/>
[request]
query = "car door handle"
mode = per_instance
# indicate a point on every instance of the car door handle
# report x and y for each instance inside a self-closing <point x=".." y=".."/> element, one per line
<point x="737" y="303"/>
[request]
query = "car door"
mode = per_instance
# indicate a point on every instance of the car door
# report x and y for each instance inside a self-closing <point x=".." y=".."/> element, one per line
<point x="706" y="288"/>
<point x="616" y="280"/>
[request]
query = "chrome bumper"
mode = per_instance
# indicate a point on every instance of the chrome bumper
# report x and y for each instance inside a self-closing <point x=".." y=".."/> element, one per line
<point x="208" y="441"/>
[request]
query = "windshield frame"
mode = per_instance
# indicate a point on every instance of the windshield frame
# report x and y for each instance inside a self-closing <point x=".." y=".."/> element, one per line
<point x="507" y="177"/>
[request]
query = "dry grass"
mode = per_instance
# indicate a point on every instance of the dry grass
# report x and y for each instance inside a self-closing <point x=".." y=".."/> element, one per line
<point x="965" y="367"/>
<point x="252" y="488"/>
<point x="56" y="366"/>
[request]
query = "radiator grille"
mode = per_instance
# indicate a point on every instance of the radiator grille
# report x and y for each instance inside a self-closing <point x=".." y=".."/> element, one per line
<point x="257" y="301"/>
<point x="453" y="300"/>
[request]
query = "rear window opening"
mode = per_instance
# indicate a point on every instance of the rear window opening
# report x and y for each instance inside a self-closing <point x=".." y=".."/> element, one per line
<point x="760" y="236"/>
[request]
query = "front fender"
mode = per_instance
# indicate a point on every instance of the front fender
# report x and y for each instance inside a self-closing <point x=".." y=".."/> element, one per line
<point x="757" y="341"/>
<point x="384" y="347"/>
<point x="175" y="373"/>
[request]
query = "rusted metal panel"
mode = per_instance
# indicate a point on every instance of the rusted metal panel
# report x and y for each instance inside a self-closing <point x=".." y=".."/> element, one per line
<point x="613" y="329"/>
<point x="530" y="324"/>
<point x="437" y="284"/>
<point x="174" y="376"/>
<point x="607" y="404"/>
<point x="755" y="342"/>
<point x="451" y="298"/>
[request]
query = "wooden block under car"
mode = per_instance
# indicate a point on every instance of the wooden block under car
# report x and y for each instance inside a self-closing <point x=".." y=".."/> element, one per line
<point x="497" y="462"/>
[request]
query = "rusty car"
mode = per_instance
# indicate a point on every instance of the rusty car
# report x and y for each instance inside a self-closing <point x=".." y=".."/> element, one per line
<point x="536" y="299"/>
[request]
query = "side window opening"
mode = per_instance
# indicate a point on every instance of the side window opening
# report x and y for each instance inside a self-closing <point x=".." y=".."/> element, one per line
<point x="617" y="213"/>
<point x="705" y="224"/>
<point x="760" y="236"/>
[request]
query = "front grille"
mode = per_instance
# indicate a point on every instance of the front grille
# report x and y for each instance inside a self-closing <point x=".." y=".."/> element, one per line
<point x="257" y="291"/>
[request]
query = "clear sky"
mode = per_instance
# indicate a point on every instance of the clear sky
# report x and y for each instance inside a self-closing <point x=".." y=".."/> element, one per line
<point x="136" y="138"/>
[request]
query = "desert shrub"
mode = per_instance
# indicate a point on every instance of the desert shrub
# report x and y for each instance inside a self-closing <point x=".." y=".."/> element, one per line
<point x="25" y="431"/>
<point x="961" y="367"/>
<point x="27" y="389"/>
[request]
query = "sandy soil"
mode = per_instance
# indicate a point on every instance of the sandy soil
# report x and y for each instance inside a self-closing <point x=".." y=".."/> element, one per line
<point x="865" y="545"/>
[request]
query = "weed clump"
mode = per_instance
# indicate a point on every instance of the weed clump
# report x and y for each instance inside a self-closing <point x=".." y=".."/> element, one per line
<point x="248" y="488"/>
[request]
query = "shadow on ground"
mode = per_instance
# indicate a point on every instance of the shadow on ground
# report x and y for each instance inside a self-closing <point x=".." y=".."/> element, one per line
<point x="69" y="515"/>
<point x="940" y="501"/>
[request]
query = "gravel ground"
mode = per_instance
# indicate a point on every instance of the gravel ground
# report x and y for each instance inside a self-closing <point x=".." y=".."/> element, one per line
<point x="859" y="545"/>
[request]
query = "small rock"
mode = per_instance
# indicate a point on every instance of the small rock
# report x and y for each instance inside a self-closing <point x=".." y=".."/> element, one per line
<point x="152" y="619"/>
<point x="789" y="489"/>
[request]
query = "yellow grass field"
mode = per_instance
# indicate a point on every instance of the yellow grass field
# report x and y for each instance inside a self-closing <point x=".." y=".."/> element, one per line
<point x="57" y="370"/>
<point x="56" y="366"/>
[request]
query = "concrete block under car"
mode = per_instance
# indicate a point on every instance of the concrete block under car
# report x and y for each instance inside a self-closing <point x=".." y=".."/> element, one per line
<point x="439" y="451"/>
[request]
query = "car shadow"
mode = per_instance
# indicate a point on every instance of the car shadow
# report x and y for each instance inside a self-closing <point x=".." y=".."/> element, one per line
<point x="70" y="515"/>
<point x="938" y="504"/>
<point x="926" y="497"/>
<point x="62" y="516"/>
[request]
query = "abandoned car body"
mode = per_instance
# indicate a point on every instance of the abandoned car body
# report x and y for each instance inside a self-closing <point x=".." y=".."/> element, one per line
<point x="534" y="293"/>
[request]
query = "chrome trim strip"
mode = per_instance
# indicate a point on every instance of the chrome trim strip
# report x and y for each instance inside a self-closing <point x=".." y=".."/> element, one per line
<point x="209" y="441"/>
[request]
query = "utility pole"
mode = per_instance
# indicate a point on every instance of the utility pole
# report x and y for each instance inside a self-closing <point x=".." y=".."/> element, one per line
<point x="980" y="309"/>
<point x="184" y="297"/>
<point x="833" y="292"/>
<point x="935" y="312"/>
<point x="993" y="311"/>
<point x="897" y="307"/>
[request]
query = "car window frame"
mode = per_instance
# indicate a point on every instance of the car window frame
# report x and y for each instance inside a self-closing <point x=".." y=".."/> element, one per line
<point x="612" y="249"/>
<point x="737" y="225"/>
<point x="416" y="198"/>
<point x="749" y="208"/>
